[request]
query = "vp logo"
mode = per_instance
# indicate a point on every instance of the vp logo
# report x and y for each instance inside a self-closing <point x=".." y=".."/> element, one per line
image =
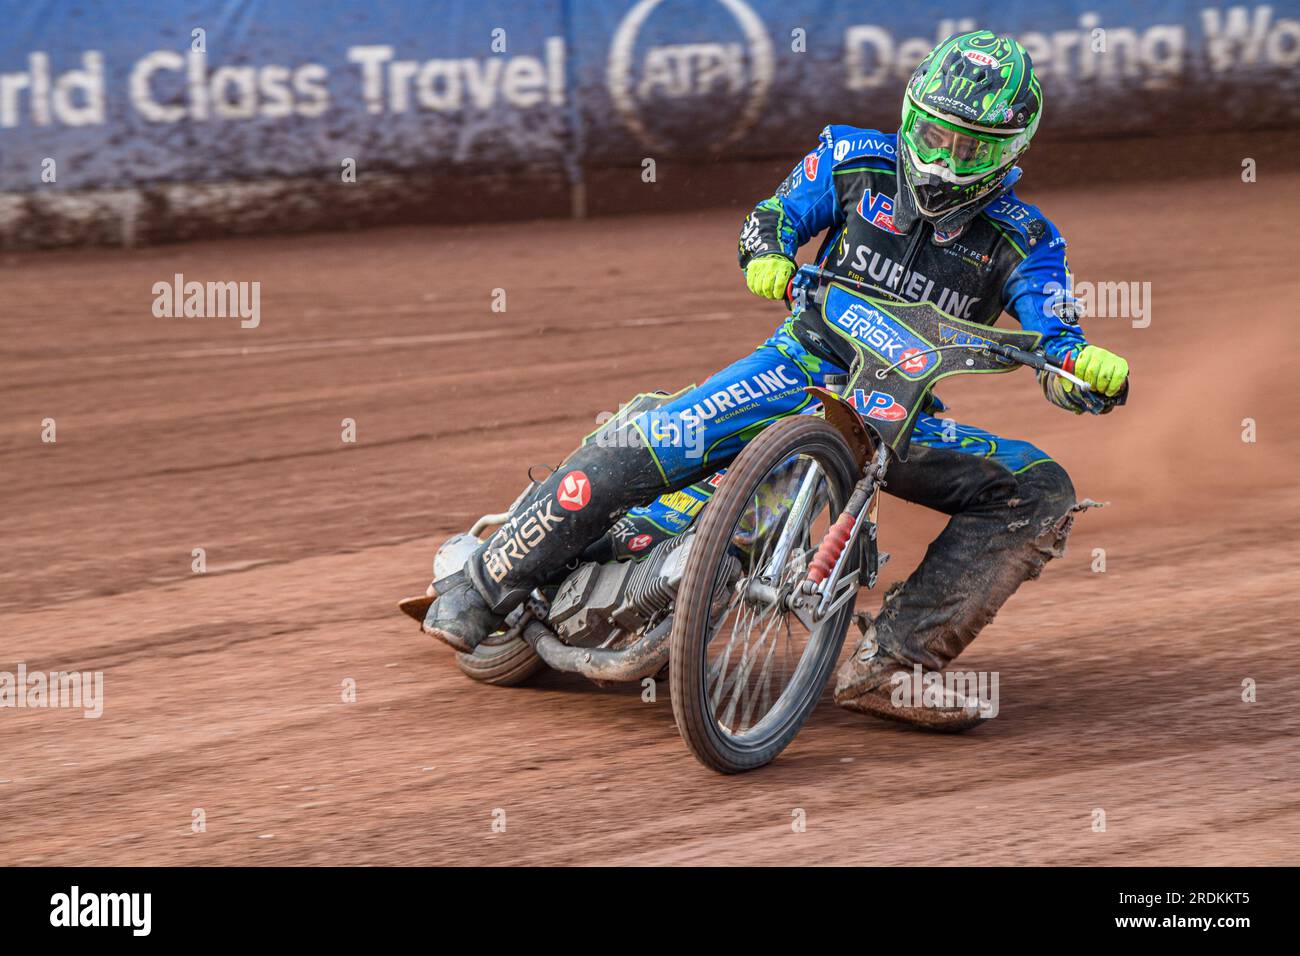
<point x="879" y="405"/>
<point x="877" y="209"/>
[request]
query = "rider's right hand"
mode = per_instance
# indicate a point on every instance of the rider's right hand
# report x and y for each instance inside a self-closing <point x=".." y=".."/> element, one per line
<point x="769" y="275"/>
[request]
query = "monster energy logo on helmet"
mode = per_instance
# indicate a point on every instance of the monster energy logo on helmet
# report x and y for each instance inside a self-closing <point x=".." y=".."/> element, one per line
<point x="970" y="110"/>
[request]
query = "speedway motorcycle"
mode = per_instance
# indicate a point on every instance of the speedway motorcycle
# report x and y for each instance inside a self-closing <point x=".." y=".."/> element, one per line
<point x="746" y="608"/>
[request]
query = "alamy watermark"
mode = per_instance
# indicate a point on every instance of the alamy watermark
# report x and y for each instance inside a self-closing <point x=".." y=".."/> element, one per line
<point x="133" y="911"/>
<point x="921" y="688"/>
<point x="82" y="690"/>
<point x="179" y="299"/>
<point x="1102" y="300"/>
<point x="653" y="429"/>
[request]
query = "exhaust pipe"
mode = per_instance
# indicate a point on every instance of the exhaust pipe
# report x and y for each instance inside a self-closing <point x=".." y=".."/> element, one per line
<point x="645" y="657"/>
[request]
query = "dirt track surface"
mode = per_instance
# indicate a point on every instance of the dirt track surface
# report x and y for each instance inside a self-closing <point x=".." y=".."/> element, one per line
<point x="1120" y="691"/>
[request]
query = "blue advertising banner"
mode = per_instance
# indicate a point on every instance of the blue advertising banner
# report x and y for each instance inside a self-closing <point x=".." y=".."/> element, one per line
<point x="179" y="90"/>
<point x="190" y="91"/>
<point x="748" y="76"/>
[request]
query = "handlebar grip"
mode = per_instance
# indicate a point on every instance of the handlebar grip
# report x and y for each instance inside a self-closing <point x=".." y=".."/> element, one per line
<point x="1032" y="359"/>
<point x="1120" y="397"/>
<point x="1102" y="404"/>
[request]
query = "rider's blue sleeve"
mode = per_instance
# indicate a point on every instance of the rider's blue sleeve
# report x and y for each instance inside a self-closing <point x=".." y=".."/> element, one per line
<point x="804" y="205"/>
<point x="1039" y="291"/>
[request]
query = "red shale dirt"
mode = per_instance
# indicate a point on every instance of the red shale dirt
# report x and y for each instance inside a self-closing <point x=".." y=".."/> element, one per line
<point x="1119" y="690"/>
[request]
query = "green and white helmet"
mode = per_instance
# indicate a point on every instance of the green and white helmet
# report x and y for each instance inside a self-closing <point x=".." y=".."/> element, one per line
<point x="970" y="110"/>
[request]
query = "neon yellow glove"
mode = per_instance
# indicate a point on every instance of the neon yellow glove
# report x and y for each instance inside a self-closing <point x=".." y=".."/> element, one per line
<point x="769" y="275"/>
<point x="1104" y="371"/>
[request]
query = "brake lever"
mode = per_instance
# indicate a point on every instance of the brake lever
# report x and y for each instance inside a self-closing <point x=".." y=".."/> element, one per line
<point x="804" y="282"/>
<point x="796" y="297"/>
<point x="1096" y="403"/>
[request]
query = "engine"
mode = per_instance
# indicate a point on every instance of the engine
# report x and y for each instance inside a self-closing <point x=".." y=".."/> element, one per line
<point x="596" y="600"/>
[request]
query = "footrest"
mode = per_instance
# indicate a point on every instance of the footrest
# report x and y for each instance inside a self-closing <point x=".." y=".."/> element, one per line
<point x="416" y="607"/>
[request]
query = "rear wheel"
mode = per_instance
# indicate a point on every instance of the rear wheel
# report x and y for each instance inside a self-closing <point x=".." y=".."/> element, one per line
<point x="501" y="660"/>
<point x="747" y="669"/>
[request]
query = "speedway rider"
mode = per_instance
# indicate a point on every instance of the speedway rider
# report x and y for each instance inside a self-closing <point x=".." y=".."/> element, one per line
<point x="926" y="214"/>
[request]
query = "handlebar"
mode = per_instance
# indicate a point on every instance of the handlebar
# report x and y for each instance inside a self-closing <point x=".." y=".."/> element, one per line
<point x="808" y="280"/>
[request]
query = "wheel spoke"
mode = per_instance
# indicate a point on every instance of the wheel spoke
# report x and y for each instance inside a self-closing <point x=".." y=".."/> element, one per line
<point x="755" y="651"/>
<point x="718" y="670"/>
<point x="739" y="684"/>
<point x="763" y="684"/>
<point x="749" y="666"/>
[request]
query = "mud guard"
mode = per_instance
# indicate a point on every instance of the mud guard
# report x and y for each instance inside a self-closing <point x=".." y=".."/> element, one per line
<point x="844" y="418"/>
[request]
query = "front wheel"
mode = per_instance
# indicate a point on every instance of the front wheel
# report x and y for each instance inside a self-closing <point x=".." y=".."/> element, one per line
<point x="747" y="669"/>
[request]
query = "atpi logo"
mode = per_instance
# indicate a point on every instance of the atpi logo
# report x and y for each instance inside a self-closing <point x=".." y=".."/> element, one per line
<point x="574" y="491"/>
<point x="879" y="405"/>
<point x="877" y="209"/>
<point x="730" y="77"/>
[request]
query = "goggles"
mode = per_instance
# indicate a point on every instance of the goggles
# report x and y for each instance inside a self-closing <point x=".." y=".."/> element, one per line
<point x="963" y="151"/>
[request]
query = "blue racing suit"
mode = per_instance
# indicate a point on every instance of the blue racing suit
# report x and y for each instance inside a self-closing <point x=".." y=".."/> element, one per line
<point x="1009" y="257"/>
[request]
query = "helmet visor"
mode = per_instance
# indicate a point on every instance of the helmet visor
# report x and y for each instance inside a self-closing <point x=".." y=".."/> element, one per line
<point x="966" y="152"/>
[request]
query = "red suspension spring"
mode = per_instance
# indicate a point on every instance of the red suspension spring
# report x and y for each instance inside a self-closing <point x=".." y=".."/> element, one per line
<point x="832" y="546"/>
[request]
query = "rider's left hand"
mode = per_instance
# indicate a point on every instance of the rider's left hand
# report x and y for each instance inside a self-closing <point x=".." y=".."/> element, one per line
<point x="1103" y="370"/>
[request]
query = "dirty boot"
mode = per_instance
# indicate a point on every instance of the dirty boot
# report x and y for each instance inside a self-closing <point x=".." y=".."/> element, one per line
<point x="875" y="682"/>
<point x="459" y="615"/>
<point x="984" y="554"/>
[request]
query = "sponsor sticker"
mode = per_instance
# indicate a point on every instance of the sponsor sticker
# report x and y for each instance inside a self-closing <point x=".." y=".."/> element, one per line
<point x="949" y="335"/>
<point x="810" y="163"/>
<point x="639" y="543"/>
<point x="741" y="395"/>
<point x="887" y="339"/>
<point x="879" y="405"/>
<point x="952" y="104"/>
<point x="516" y="539"/>
<point x="877" y="209"/>
<point x="574" y="491"/>
<point x="983" y="59"/>
<point x="913" y="360"/>
<point x="682" y="501"/>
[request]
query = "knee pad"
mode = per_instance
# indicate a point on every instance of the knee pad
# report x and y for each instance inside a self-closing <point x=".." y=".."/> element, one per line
<point x="1047" y="506"/>
<point x="1047" y="488"/>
